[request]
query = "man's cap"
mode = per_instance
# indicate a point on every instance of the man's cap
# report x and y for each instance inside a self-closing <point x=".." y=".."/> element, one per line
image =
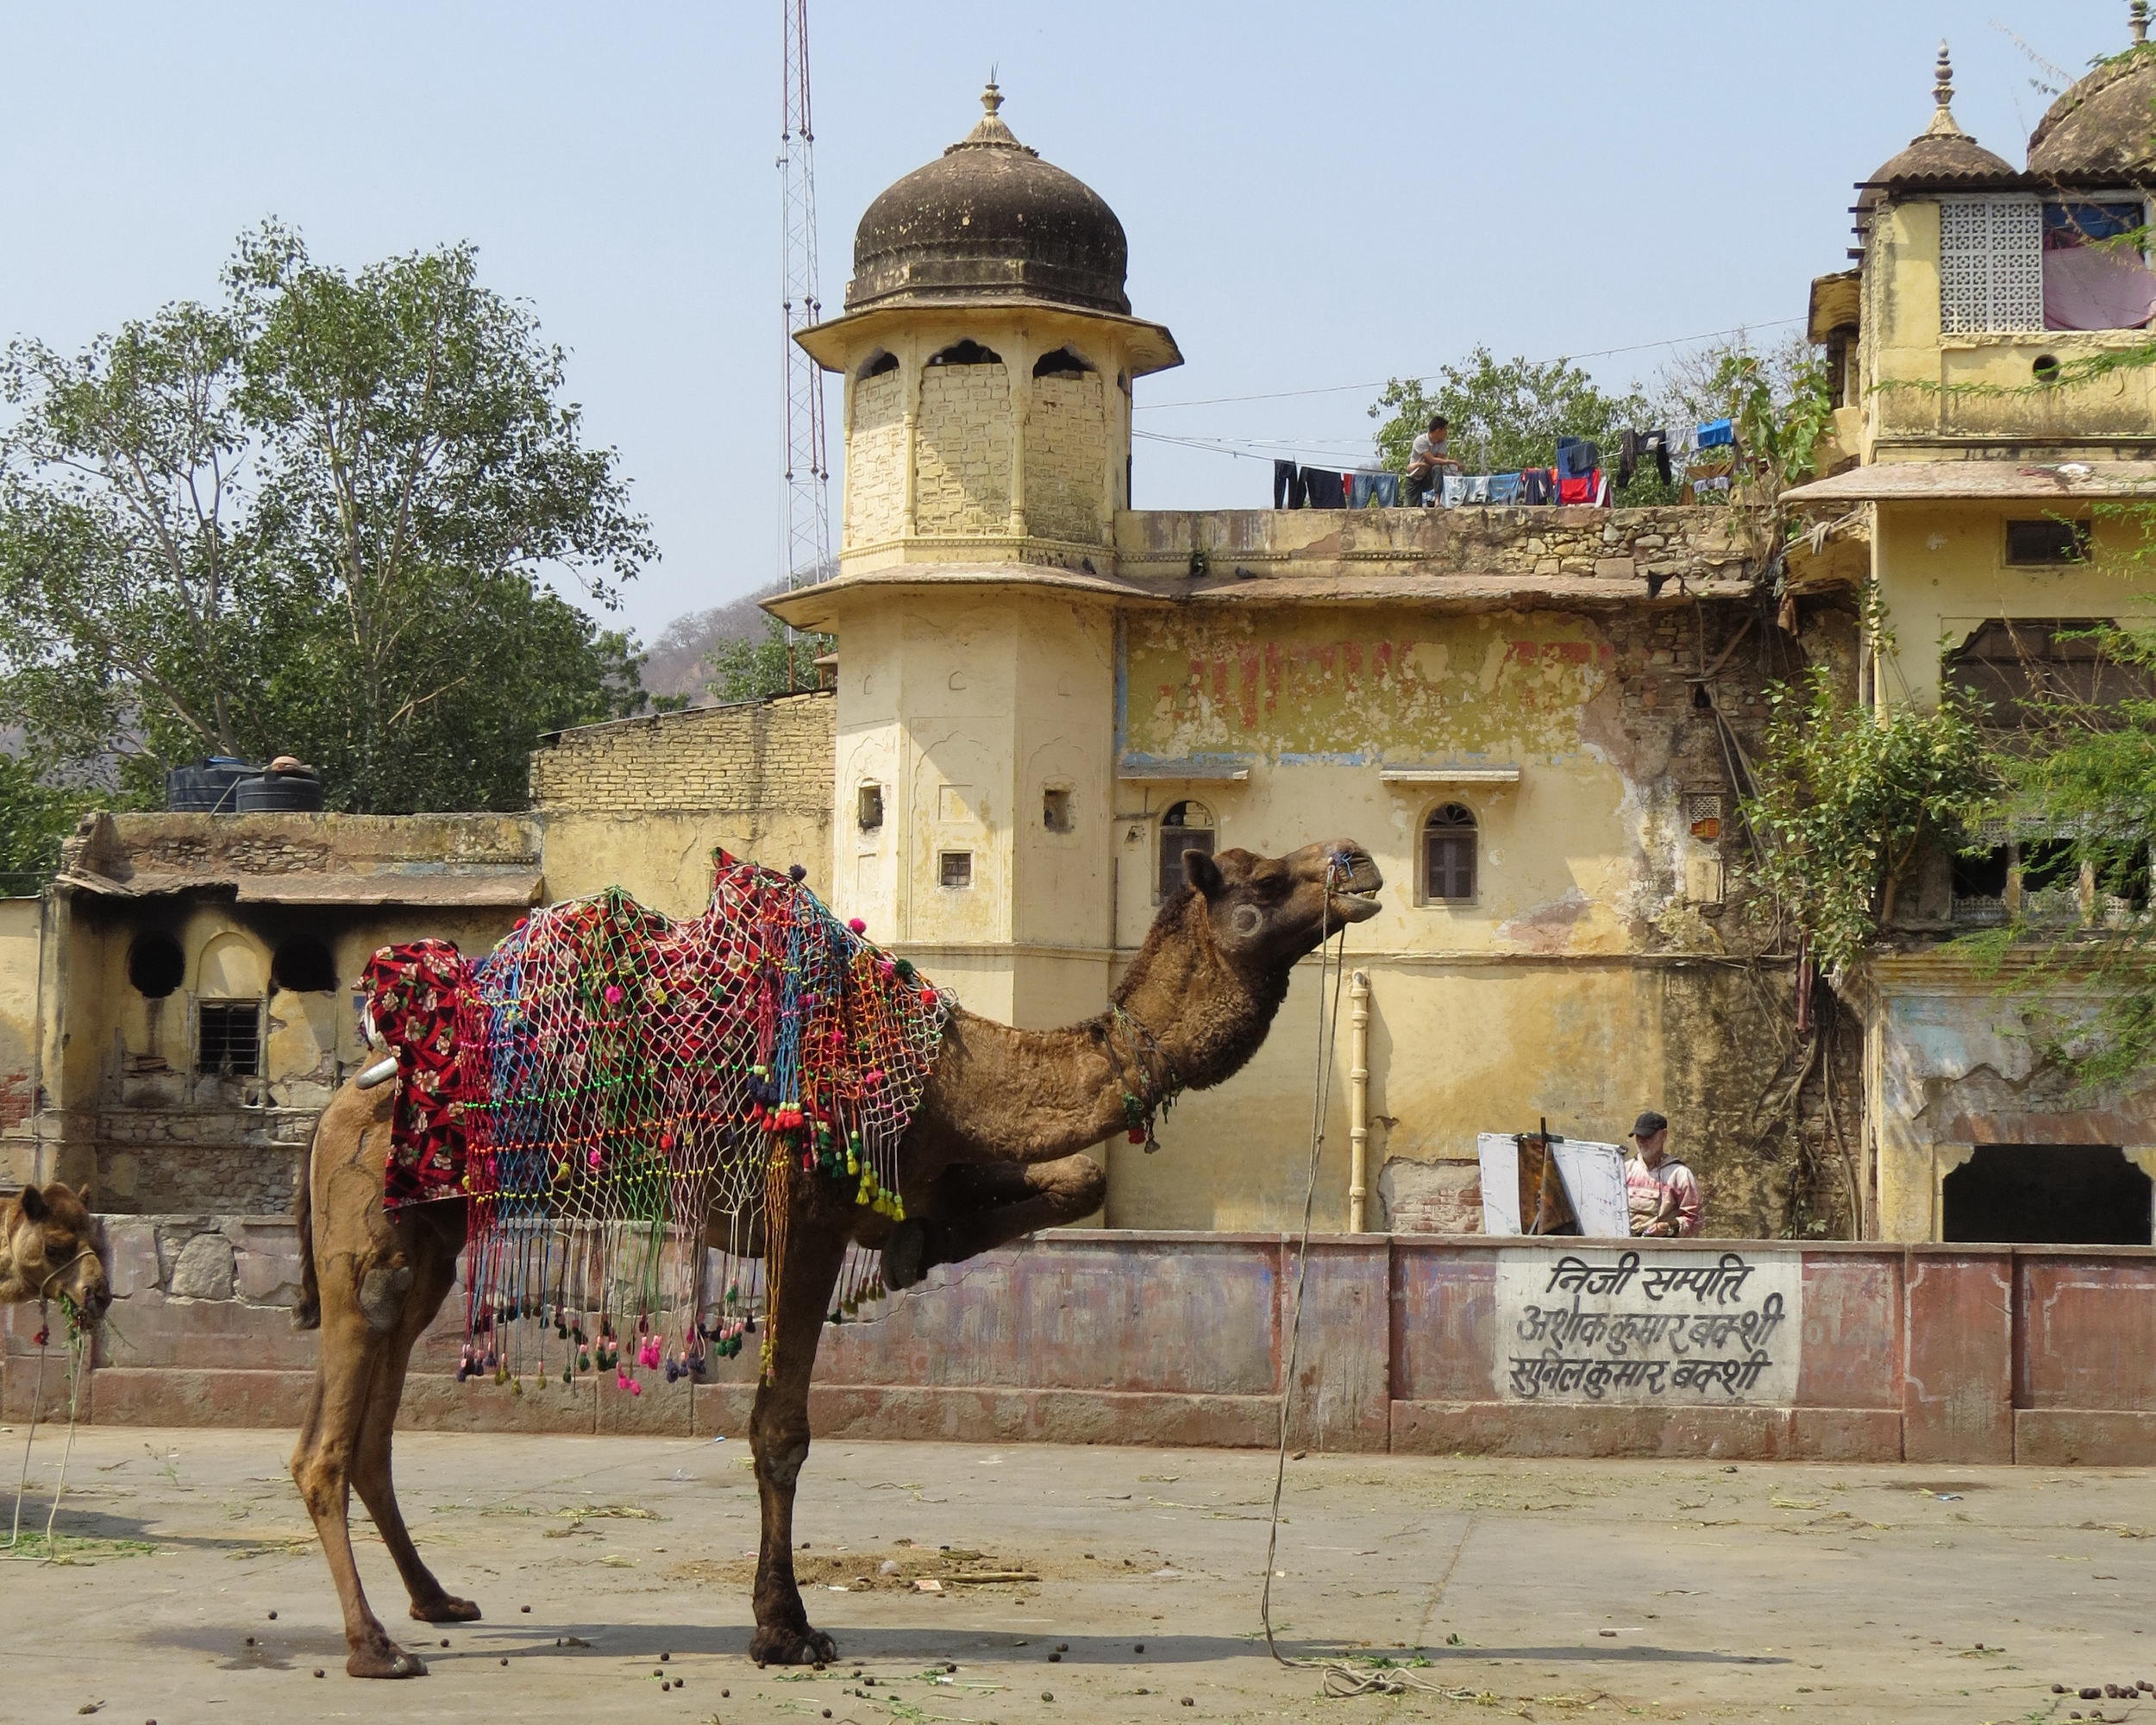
<point x="1649" y="1124"/>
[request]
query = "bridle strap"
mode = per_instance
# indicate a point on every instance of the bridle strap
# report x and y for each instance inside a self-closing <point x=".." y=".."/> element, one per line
<point x="45" y="1287"/>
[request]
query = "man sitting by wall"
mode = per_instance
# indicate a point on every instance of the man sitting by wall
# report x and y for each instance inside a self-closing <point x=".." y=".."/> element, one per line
<point x="1427" y="459"/>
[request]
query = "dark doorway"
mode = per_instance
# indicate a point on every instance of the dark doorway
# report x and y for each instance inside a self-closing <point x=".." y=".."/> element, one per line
<point x="2048" y="1194"/>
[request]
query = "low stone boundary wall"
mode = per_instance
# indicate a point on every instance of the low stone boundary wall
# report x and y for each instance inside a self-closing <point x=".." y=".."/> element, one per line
<point x="1416" y="1343"/>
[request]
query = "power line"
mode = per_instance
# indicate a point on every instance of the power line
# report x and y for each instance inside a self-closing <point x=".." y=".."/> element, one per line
<point x="1342" y="388"/>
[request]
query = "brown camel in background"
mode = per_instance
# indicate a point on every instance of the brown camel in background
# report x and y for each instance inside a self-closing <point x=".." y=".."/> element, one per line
<point x="52" y="1248"/>
<point x="993" y="1152"/>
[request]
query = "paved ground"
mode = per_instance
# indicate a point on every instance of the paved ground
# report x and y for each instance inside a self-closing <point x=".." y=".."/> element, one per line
<point x="609" y="1568"/>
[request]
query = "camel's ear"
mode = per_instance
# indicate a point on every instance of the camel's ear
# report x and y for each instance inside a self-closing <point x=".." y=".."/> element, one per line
<point x="1202" y="872"/>
<point x="34" y="1206"/>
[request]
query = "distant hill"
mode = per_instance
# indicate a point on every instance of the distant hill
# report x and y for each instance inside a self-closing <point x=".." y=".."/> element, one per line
<point x="677" y="662"/>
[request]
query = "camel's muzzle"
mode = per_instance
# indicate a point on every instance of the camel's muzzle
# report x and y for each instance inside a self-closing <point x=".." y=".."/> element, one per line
<point x="1356" y="882"/>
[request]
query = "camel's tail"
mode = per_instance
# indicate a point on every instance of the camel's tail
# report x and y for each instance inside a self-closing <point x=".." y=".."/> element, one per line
<point x="307" y="1309"/>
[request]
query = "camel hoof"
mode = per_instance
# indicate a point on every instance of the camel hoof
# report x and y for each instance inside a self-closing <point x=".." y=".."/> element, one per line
<point x="905" y="1255"/>
<point x="445" y="1609"/>
<point x="387" y="1660"/>
<point x="801" y="1647"/>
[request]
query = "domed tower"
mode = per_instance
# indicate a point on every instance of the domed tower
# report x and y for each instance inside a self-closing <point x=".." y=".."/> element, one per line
<point x="2101" y="131"/>
<point x="989" y="350"/>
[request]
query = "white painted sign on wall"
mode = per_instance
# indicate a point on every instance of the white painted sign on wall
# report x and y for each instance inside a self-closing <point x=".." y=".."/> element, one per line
<point x="1590" y="1323"/>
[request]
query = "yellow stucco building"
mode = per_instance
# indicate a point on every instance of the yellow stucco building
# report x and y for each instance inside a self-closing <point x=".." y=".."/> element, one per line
<point x="1045" y="696"/>
<point x="1990" y="496"/>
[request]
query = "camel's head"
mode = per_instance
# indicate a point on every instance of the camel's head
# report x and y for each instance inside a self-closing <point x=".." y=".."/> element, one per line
<point x="1267" y="911"/>
<point x="52" y="1248"/>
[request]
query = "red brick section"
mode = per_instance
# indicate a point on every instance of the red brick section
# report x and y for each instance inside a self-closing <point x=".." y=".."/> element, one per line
<point x="1931" y="1354"/>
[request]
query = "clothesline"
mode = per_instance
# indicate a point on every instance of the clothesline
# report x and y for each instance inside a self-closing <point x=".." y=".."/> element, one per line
<point x="1341" y="388"/>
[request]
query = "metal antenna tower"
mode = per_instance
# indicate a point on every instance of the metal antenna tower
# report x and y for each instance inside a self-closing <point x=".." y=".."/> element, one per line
<point x="808" y="532"/>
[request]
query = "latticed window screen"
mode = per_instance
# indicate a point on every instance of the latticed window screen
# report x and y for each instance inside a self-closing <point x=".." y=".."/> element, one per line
<point x="1990" y="265"/>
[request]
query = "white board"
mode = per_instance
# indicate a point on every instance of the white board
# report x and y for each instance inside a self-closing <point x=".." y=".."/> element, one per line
<point x="1594" y="1176"/>
<point x="1498" y="1154"/>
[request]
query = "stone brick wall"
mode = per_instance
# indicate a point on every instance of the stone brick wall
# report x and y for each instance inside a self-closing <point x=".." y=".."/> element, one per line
<point x="963" y="460"/>
<point x="1067" y="461"/>
<point x="771" y="755"/>
<point x="875" y="459"/>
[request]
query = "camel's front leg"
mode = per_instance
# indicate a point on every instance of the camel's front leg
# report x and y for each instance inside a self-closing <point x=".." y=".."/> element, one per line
<point x="436" y="1242"/>
<point x="979" y="1207"/>
<point x="779" y="1439"/>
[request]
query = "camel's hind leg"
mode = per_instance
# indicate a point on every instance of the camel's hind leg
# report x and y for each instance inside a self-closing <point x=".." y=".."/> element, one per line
<point x="978" y="1207"/>
<point x="435" y="1247"/>
<point x="779" y="1437"/>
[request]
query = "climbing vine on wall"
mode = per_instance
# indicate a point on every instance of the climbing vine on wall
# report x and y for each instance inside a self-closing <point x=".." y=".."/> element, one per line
<point x="1845" y="801"/>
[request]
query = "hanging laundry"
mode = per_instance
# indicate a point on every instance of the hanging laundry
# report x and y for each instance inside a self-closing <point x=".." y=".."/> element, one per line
<point x="1381" y="489"/>
<point x="1288" y="486"/>
<point x="1577" y="457"/>
<point x="1478" y="488"/>
<point x="1504" y="488"/>
<point x="1455" y="490"/>
<point x="1717" y="433"/>
<point x="1637" y="446"/>
<point x="1700" y="488"/>
<point x="1538" y="485"/>
<point x="1325" y="486"/>
<point x="1587" y="489"/>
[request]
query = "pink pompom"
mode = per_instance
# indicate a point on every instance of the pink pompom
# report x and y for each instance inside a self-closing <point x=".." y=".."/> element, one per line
<point x="857" y="925"/>
<point x="593" y="1158"/>
<point x="613" y="994"/>
<point x="636" y="1388"/>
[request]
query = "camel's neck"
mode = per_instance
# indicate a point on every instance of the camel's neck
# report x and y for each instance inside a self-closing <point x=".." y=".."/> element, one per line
<point x="1182" y="1019"/>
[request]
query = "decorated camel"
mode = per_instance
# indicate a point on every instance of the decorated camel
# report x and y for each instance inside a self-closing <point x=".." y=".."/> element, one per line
<point x="51" y="1249"/>
<point x="982" y="1141"/>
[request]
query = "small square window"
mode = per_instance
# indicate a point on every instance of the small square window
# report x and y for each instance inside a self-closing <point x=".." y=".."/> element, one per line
<point x="2039" y="544"/>
<point x="1055" y="814"/>
<point x="1704" y="813"/>
<point x="868" y="807"/>
<point x="954" y="868"/>
<point x="229" y="1037"/>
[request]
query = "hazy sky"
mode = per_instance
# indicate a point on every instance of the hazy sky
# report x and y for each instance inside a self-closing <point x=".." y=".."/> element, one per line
<point x="1315" y="195"/>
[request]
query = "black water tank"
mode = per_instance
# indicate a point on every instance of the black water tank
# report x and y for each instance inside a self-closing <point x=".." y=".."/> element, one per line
<point x="206" y="787"/>
<point x="279" y="793"/>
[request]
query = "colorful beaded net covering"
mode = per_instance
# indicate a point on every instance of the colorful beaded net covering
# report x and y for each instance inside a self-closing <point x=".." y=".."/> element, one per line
<point x="608" y="1083"/>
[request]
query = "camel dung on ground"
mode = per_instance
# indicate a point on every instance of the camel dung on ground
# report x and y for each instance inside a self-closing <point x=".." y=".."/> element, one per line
<point x="994" y="1150"/>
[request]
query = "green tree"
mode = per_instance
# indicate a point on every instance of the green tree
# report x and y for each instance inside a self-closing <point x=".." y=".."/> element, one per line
<point x="319" y="519"/>
<point x="34" y="816"/>
<point x="2079" y="776"/>
<point x="1846" y="801"/>
<point x="1509" y="414"/>
<point x="747" y="668"/>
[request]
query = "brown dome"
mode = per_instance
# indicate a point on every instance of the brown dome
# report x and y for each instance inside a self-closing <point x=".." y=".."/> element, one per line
<point x="1942" y="154"/>
<point x="2104" y="126"/>
<point x="989" y="220"/>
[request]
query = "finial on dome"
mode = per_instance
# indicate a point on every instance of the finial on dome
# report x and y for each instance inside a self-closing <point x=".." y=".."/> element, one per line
<point x="2137" y="22"/>
<point x="990" y="127"/>
<point x="1943" y="123"/>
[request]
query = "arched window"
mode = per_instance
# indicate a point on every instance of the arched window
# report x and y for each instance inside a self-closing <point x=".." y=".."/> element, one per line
<point x="304" y="967"/>
<point x="155" y="964"/>
<point x="879" y="364"/>
<point x="1062" y="363"/>
<point x="967" y="353"/>
<point x="1448" y="856"/>
<point x="1186" y="826"/>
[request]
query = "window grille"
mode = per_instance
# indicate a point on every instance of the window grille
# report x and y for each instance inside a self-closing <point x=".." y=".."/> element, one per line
<point x="1448" y="856"/>
<point x="868" y="807"/>
<point x="954" y="868"/>
<point x="1990" y="265"/>
<point x="1704" y="813"/>
<point x="229" y="1037"/>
